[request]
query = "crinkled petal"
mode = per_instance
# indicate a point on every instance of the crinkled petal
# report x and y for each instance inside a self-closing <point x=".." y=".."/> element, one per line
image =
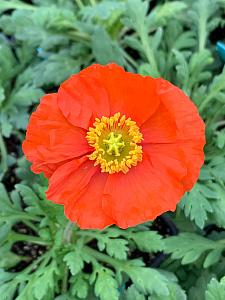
<point x="179" y="116"/>
<point x="50" y="139"/>
<point x="70" y="180"/>
<point x="81" y="99"/>
<point x="186" y="152"/>
<point x="130" y="94"/>
<point x="190" y="126"/>
<point x="160" y="127"/>
<point x="87" y="211"/>
<point x="146" y="191"/>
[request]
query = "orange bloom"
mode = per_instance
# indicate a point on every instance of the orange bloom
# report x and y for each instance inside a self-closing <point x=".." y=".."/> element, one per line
<point x="118" y="148"/>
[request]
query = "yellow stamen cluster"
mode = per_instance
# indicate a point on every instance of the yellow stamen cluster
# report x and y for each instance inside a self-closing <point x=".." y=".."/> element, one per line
<point x="116" y="142"/>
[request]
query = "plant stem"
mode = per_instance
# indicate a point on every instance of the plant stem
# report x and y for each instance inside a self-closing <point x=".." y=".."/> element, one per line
<point x="31" y="225"/>
<point x="202" y="29"/>
<point x="206" y="101"/>
<point x="40" y="259"/>
<point x="150" y="55"/>
<point x="67" y="234"/>
<point x="130" y="59"/>
<point x="5" y="5"/>
<point x="79" y="4"/>
<point x="148" y="50"/>
<point x="79" y="36"/>
<point x="19" y="216"/>
<point x="65" y="281"/>
<point x="87" y="233"/>
<point x="116" y="263"/>
<point x="3" y="155"/>
<point x="15" y="237"/>
<point x="221" y="123"/>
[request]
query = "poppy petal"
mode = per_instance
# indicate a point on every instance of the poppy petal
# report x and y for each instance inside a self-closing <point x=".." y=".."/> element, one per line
<point x="189" y="153"/>
<point x="189" y="124"/>
<point x="50" y="139"/>
<point x="82" y="99"/>
<point x="189" y="131"/>
<point x="69" y="180"/>
<point x="130" y="94"/>
<point x="160" y="127"/>
<point x="145" y="192"/>
<point x="87" y="211"/>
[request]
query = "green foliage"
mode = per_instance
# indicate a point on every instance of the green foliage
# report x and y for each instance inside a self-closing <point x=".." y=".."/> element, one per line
<point x="148" y="241"/>
<point x="192" y="246"/>
<point x="148" y="280"/>
<point x="215" y="290"/>
<point x="45" y="281"/>
<point x="104" y="49"/>
<point x="133" y="294"/>
<point x="106" y="287"/>
<point x="42" y="44"/>
<point x="114" y="247"/>
<point x="75" y="261"/>
<point x="196" y="204"/>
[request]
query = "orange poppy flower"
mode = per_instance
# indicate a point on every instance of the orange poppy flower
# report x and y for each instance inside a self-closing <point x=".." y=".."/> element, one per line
<point x="118" y="148"/>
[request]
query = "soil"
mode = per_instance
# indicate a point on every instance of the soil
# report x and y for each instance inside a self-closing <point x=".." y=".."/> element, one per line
<point x="162" y="224"/>
<point x="29" y="250"/>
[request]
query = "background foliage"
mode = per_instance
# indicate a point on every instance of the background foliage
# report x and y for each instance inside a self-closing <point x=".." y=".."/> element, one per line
<point x="178" y="256"/>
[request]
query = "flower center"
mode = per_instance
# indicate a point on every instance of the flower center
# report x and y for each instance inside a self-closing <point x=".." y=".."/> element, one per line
<point x="116" y="142"/>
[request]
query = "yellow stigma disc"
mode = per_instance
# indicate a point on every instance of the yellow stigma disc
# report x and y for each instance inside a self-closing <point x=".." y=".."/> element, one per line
<point x="116" y="142"/>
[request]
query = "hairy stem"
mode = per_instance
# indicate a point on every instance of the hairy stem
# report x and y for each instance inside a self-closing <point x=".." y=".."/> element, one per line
<point x="3" y="155"/>
<point x="15" y="237"/>
<point x="149" y="53"/>
<point x="202" y="32"/>
<point x="16" y="5"/>
<point x="65" y="281"/>
<point x="115" y="263"/>
<point x="79" y="4"/>
<point x="67" y="236"/>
